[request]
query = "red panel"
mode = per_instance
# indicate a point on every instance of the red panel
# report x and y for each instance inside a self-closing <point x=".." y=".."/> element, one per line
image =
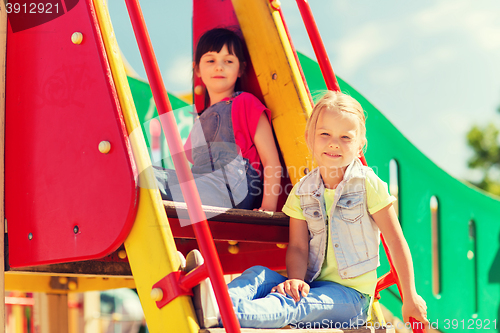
<point x="250" y="254"/>
<point x="235" y="231"/>
<point x="76" y="202"/>
<point x="210" y="14"/>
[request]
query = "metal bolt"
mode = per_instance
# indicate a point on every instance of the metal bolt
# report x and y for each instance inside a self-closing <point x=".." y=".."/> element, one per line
<point x="77" y="38"/>
<point x="122" y="254"/>
<point x="72" y="285"/>
<point x="104" y="147"/>
<point x="233" y="249"/>
<point x="157" y="294"/>
<point x="76" y="229"/>
<point x="274" y="76"/>
<point x="198" y="90"/>
<point x="30" y="236"/>
<point x="276" y="4"/>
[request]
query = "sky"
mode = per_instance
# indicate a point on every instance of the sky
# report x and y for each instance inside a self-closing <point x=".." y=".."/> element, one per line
<point x="430" y="66"/>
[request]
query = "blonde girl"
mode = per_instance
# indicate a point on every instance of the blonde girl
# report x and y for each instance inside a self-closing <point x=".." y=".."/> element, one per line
<point x="336" y="214"/>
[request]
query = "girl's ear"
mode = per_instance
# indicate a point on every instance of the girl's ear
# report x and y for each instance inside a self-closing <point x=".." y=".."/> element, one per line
<point x="243" y="67"/>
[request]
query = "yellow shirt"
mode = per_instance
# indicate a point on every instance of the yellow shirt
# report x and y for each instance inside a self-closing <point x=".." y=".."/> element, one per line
<point x="378" y="197"/>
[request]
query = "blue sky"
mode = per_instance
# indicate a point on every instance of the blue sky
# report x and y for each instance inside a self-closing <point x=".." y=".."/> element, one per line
<point x="430" y="66"/>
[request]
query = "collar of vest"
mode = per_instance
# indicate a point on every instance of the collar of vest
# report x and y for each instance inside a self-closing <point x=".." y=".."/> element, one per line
<point x="312" y="184"/>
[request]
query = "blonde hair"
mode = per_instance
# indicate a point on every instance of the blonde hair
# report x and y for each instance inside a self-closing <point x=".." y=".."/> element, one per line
<point x="335" y="101"/>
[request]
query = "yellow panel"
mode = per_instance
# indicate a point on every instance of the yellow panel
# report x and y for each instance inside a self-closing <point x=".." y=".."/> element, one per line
<point x="40" y="282"/>
<point x="279" y="78"/>
<point x="150" y="246"/>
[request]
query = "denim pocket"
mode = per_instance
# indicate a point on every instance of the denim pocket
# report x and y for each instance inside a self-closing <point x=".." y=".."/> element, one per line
<point x="351" y="207"/>
<point x="315" y="220"/>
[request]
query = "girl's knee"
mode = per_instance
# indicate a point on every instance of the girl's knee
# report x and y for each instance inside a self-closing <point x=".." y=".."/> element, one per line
<point x="256" y="270"/>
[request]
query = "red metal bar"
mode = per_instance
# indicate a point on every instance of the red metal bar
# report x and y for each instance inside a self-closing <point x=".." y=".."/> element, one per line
<point x="415" y="325"/>
<point x="188" y="187"/>
<point x="171" y="286"/>
<point x="319" y="50"/>
<point x="194" y="277"/>
<point x="317" y="44"/>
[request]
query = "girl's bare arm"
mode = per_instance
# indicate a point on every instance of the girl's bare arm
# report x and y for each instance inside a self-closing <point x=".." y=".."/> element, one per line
<point x="296" y="261"/>
<point x="264" y="142"/>
<point x="413" y="305"/>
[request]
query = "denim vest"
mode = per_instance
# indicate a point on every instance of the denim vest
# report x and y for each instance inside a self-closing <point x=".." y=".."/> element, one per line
<point x="354" y="235"/>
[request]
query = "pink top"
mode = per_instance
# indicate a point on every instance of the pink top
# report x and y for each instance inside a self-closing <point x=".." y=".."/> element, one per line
<point x="245" y="114"/>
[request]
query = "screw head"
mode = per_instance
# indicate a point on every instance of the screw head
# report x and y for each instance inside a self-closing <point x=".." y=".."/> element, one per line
<point x="30" y="236"/>
<point x="77" y="38"/>
<point x="198" y="90"/>
<point x="104" y="147"/>
<point x="72" y="285"/>
<point x="276" y="4"/>
<point x="274" y="76"/>
<point x="157" y="294"/>
<point x="75" y="229"/>
<point x="122" y="254"/>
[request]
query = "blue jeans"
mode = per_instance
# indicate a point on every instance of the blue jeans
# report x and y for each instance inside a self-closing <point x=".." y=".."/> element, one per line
<point x="328" y="304"/>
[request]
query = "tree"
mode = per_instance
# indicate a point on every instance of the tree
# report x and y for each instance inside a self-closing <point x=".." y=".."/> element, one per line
<point x="484" y="141"/>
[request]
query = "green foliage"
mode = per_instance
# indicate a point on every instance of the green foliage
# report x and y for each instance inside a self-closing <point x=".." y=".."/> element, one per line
<point x="484" y="141"/>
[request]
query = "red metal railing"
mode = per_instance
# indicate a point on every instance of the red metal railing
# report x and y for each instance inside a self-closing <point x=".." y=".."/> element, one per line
<point x="332" y="84"/>
<point x="319" y="50"/>
<point x="317" y="44"/>
<point x="188" y="186"/>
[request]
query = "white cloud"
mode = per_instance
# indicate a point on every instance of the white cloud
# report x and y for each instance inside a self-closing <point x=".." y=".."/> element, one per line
<point x="179" y="73"/>
<point x="433" y="57"/>
<point x="477" y="21"/>
<point x="441" y="16"/>
<point x="357" y="48"/>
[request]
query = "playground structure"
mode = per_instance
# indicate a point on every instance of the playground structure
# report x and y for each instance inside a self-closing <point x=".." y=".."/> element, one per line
<point x="81" y="205"/>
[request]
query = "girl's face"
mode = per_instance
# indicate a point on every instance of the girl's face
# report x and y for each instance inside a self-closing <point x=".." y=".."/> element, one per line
<point x="219" y="71"/>
<point x="337" y="140"/>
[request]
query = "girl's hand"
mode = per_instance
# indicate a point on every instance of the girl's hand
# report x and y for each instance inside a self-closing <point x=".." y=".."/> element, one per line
<point x="416" y="308"/>
<point x="293" y="288"/>
<point x="262" y="209"/>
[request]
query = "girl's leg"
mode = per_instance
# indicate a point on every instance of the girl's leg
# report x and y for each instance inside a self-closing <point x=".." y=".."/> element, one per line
<point x="327" y="305"/>
<point x="248" y="293"/>
<point x="255" y="282"/>
<point x="330" y="304"/>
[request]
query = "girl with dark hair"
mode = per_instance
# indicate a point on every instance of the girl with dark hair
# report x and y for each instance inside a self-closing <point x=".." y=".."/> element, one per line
<point x="235" y="160"/>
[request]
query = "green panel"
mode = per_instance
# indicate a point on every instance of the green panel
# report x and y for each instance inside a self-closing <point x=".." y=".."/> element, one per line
<point x="469" y="264"/>
<point x="146" y="111"/>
